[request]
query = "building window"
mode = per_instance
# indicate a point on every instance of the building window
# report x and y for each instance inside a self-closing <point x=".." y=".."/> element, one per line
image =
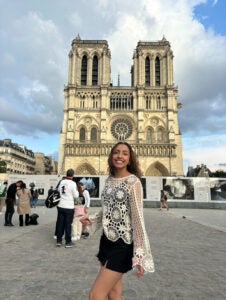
<point x="95" y="71"/>
<point x="121" y="129"/>
<point x="158" y="103"/>
<point x="84" y="71"/>
<point x="82" y="135"/>
<point x="93" y="137"/>
<point x="82" y="102"/>
<point x="157" y="71"/>
<point x="160" y="135"/>
<point x="147" y="71"/>
<point x="121" y="101"/>
<point x="148" y="102"/>
<point x="150" y="135"/>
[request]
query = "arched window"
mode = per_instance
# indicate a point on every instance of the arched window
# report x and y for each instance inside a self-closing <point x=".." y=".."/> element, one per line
<point x="95" y="71"/>
<point x="148" y="102"/>
<point x="82" y="135"/>
<point x="157" y="71"/>
<point x="150" y="135"/>
<point x="158" y="102"/>
<point x="84" y="71"/>
<point x="147" y="71"/>
<point x="93" y="137"/>
<point x="160" y="135"/>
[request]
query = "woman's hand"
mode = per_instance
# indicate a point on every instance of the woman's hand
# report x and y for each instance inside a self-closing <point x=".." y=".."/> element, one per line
<point x="85" y="221"/>
<point x="86" y="210"/>
<point x="138" y="271"/>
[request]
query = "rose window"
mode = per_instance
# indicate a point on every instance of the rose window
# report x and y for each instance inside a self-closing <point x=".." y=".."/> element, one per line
<point x="121" y="129"/>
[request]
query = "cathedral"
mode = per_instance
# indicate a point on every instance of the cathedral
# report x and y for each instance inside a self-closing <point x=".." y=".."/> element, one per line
<point x="98" y="114"/>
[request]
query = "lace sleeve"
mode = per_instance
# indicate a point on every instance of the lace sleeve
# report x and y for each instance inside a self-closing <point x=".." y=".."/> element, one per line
<point x="142" y="252"/>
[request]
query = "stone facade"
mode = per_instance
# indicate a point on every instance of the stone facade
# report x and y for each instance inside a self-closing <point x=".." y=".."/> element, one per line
<point x="16" y="159"/>
<point x="97" y="114"/>
<point x="44" y="164"/>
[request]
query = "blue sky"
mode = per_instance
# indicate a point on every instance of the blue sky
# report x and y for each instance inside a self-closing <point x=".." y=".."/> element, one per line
<point x="36" y="39"/>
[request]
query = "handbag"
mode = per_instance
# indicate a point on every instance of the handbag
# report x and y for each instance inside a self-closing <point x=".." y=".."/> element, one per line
<point x="79" y="210"/>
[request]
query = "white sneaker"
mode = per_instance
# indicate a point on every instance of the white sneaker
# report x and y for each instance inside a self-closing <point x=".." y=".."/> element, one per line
<point x="74" y="238"/>
<point x="54" y="237"/>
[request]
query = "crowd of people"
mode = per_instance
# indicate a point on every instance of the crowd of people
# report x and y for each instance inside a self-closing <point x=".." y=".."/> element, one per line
<point x="124" y="244"/>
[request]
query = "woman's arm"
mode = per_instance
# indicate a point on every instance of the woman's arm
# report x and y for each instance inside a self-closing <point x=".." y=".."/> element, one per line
<point x="142" y="259"/>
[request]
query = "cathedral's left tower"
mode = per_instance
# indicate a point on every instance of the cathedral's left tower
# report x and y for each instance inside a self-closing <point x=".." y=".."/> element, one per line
<point x="88" y="81"/>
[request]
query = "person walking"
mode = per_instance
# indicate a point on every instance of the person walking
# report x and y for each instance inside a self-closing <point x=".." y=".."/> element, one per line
<point x="3" y="191"/>
<point x="124" y="243"/>
<point x="86" y="203"/>
<point x="78" y="214"/>
<point x="23" y="206"/>
<point x="163" y="200"/>
<point x="65" y="209"/>
<point x="10" y="202"/>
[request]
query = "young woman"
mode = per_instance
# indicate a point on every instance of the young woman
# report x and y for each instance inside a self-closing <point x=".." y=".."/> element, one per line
<point x="124" y="243"/>
<point x="163" y="201"/>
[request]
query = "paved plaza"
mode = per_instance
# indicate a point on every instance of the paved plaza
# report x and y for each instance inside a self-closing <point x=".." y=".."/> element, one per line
<point x="188" y="245"/>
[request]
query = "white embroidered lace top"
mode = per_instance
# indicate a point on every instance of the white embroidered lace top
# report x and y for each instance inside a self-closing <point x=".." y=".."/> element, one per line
<point x="122" y="217"/>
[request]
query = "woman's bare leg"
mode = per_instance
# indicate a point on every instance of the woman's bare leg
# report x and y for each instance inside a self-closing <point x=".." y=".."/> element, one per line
<point x="116" y="291"/>
<point x="107" y="283"/>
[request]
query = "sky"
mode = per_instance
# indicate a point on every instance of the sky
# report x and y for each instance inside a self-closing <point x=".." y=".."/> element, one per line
<point x="35" y="40"/>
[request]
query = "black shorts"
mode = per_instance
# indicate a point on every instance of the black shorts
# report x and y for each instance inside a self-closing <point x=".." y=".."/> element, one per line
<point x="116" y="256"/>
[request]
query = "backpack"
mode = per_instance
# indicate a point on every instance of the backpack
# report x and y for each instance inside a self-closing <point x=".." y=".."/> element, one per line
<point x="33" y="219"/>
<point x="52" y="199"/>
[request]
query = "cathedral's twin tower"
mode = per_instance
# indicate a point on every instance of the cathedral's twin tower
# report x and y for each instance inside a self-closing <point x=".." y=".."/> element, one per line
<point x="97" y="114"/>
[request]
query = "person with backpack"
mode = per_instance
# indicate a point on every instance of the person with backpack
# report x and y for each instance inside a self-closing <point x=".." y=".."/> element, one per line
<point x="65" y="209"/>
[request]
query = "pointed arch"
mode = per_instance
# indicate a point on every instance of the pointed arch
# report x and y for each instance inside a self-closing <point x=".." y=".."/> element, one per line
<point x="93" y="135"/>
<point x="150" y="135"/>
<point x="157" y="71"/>
<point x="82" y="134"/>
<point x="147" y="71"/>
<point x="84" y="169"/>
<point x="160" y="135"/>
<point x="95" y="70"/>
<point x="157" y="169"/>
<point x="84" y="70"/>
<point x="158" y="103"/>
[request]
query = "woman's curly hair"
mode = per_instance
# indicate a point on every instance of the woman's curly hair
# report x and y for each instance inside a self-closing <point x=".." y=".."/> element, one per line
<point x="133" y="165"/>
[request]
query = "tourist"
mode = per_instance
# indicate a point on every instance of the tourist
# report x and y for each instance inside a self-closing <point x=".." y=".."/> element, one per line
<point x="124" y="243"/>
<point x="163" y="199"/>
<point x="65" y="209"/>
<point x="23" y="205"/>
<point x="10" y="202"/>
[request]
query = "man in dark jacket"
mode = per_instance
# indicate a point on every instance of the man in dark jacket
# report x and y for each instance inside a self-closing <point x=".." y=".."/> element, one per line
<point x="10" y="202"/>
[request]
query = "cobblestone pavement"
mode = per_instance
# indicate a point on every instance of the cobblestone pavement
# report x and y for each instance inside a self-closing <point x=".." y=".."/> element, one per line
<point x="188" y="245"/>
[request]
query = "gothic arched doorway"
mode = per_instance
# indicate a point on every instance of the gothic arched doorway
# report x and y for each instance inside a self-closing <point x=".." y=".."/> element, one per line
<point x="157" y="169"/>
<point x="85" y="169"/>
